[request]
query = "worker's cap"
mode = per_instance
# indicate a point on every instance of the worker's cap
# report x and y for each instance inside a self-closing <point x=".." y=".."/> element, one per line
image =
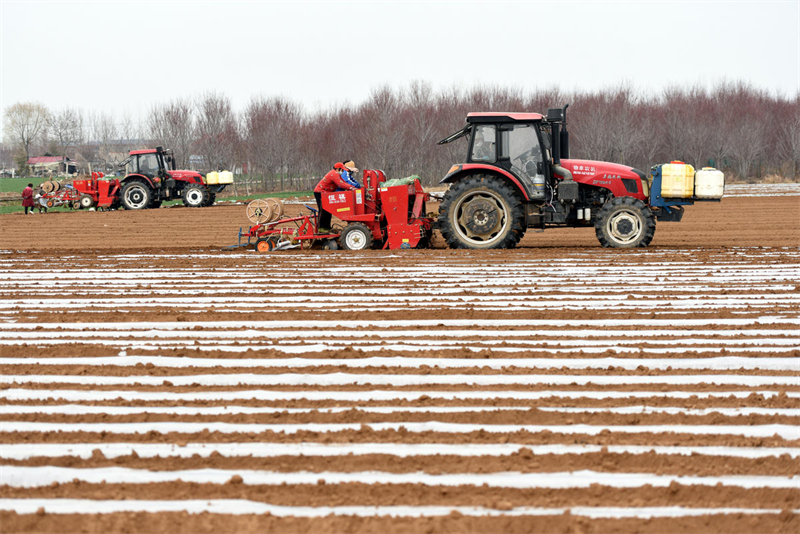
<point x="351" y="166"/>
<point x="338" y="166"/>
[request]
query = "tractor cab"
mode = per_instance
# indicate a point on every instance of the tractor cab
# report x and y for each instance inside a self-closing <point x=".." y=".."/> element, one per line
<point x="153" y="163"/>
<point x="519" y="144"/>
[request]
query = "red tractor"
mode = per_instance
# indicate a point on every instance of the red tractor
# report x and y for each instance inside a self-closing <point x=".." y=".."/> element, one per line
<point x="151" y="178"/>
<point x="518" y="175"/>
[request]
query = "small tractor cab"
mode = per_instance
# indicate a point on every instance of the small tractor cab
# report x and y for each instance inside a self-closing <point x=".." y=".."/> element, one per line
<point x="518" y="175"/>
<point x="151" y="178"/>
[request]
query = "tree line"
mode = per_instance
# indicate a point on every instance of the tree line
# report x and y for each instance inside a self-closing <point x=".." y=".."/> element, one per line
<point x="273" y="143"/>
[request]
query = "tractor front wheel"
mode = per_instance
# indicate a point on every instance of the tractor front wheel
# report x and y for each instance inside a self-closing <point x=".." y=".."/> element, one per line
<point x="482" y="212"/>
<point x="195" y="196"/>
<point x="625" y="222"/>
<point x="212" y="197"/>
<point x="356" y="236"/>
<point x="136" y="196"/>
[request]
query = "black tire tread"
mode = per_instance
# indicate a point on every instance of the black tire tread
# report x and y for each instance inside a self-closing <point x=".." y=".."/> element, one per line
<point x="607" y="210"/>
<point x="203" y="203"/>
<point x="517" y="208"/>
<point x="123" y="193"/>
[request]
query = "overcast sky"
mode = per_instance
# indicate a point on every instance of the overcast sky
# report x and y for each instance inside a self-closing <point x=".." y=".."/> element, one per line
<point x="122" y="57"/>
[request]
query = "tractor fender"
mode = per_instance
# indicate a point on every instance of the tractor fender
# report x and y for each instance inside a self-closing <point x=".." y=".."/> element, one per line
<point x="138" y="178"/>
<point x="457" y="172"/>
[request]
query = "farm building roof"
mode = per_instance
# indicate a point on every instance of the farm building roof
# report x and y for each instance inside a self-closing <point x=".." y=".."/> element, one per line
<point x="46" y="159"/>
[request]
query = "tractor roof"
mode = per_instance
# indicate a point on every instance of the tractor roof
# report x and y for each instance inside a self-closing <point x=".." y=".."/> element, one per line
<point x="500" y="116"/>
<point x="146" y="151"/>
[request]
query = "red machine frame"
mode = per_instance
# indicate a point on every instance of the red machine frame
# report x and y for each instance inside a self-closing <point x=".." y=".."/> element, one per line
<point x="104" y="192"/>
<point x="394" y="215"/>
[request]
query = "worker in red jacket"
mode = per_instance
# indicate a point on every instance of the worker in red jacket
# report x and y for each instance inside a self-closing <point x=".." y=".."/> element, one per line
<point x="27" y="198"/>
<point x="329" y="183"/>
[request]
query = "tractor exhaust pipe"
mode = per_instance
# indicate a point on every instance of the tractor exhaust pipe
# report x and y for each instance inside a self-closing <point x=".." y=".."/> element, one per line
<point x="555" y="131"/>
<point x="564" y="138"/>
<point x="557" y="117"/>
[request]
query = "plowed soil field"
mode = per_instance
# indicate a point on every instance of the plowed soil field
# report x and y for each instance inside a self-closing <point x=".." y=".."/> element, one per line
<point x="150" y="382"/>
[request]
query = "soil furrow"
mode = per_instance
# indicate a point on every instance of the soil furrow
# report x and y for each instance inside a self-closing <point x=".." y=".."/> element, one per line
<point x="366" y="434"/>
<point x="524" y="461"/>
<point x="421" y="495"/>
<point x="181" y="522"/>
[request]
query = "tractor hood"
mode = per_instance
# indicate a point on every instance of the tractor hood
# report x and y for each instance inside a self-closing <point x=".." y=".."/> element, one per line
<point x="621" y="180"/>
<point x="585" y="168"/>
<point x="185" y="175"/>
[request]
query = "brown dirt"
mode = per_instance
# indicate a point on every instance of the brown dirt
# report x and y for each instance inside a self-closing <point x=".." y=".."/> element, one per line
<point x="420" y="495"/>
<point x="524" y="461"/>
<point x="531" y="416"/>
<point x="714" y="237"/>
<point x="367" y="435"/>
<point x="185" y="523"/>
<point x="770" y="222"/>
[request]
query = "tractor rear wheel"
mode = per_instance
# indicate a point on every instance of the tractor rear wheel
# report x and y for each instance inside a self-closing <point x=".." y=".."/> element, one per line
<point x="136" y="195"/>
<point x="356" y="236"/>
<point x="482" y="212"/>
<point x="625" y="222"/>
<point x="195" y="196"/>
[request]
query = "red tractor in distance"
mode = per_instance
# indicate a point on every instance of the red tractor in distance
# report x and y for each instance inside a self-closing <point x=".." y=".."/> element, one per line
<point x="518" y="175"/>
<point x="151" y="178"/>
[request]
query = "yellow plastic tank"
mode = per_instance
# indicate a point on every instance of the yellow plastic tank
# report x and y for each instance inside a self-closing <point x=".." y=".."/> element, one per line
<point x="677" y="180"/>
<point x="709" y="183"/>
<point x="225" y="177"/>
<point x="212" y="178"/>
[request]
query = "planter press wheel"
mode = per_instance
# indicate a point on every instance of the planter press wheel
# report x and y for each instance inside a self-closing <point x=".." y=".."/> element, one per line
<point x="259" y="211"/>
<point x="277" y="207"/>
<point x="265" y="244"/>
<point x="50" y="203"/>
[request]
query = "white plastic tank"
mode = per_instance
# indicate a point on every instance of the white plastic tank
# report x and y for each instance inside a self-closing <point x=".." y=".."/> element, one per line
<point x="225" y="177"/>
<point x="677" y="180"/>
<point x="212" y="178"/>
<point x="538" y="187"/>
<point x="709" y="183"/>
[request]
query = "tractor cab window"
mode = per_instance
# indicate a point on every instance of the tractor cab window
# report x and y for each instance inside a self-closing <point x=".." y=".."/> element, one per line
<point x="484" y="147"/>
<point x="130" y="165"/>
<point x="148" y="164"/>
<point x="521" y="146"/>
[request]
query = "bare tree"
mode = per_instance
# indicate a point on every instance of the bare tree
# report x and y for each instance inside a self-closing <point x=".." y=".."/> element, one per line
<point x="217" y="132"/>
<point x="66" y="129"/>
<point x="172" y="126"/>
<point x="24" y="122"/>
<point x="789" y="143"/>
<point x="106" y="134"/>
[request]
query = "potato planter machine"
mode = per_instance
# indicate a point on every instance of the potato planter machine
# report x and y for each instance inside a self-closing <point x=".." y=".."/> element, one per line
<point x="386" y="213"/>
